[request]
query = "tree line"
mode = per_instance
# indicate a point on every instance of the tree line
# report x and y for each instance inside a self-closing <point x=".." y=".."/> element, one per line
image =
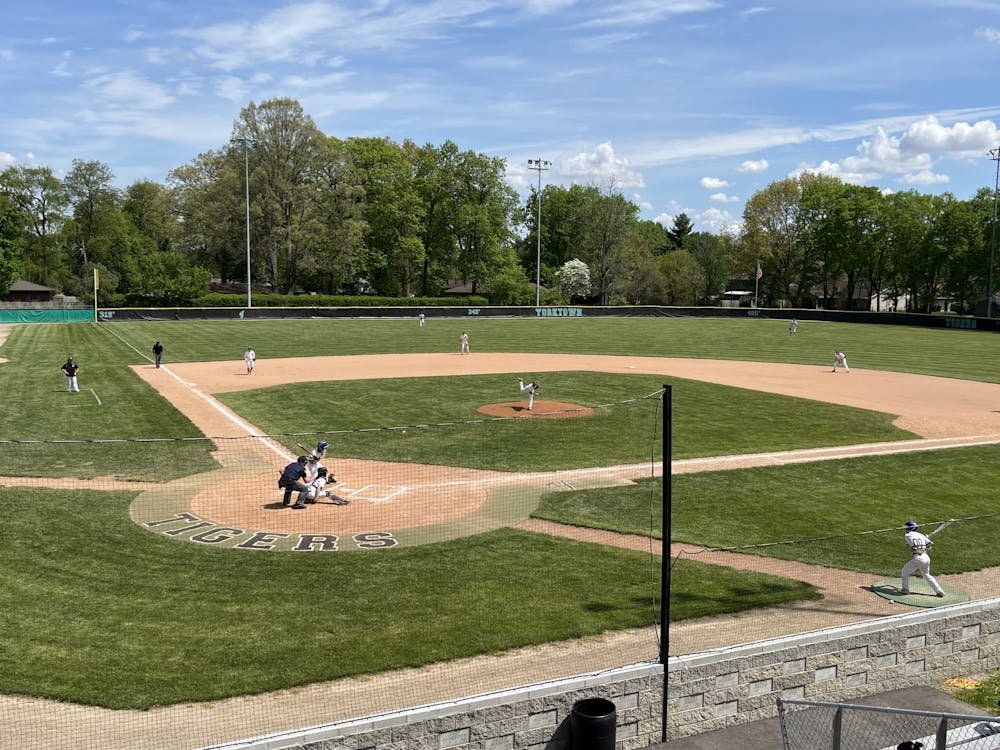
<point x="320" y="214"/>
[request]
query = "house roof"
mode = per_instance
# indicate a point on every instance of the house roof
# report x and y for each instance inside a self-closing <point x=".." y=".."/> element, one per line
<point x="27" y="286"/>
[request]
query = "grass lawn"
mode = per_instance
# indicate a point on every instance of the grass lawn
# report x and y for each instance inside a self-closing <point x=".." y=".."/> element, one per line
<point x="112" y="615"/>
<point x="115" y="616"/>
<point x="703" y="417"/>
<point x="843" y="514"/>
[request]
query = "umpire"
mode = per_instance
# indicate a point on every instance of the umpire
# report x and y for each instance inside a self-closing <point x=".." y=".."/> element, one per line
<point x="291" y="479"/>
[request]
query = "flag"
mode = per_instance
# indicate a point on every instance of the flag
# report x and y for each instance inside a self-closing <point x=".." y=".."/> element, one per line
<point x="759" y="272"/>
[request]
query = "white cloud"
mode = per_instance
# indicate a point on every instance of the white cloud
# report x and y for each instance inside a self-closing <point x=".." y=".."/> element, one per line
<point x="600" y="165"/>
<point x="752" y="166"/>
<point x="877" y="157"/>
<point x="128" y="89"/>
<point x="755" y="11"/>
<point x="7" y="160"/>
<point x="723" y="198"/>
<point x="647" y="12"/>
<point x="960" y="140"/>
<point x="924" y="177"/>
<point x="712" y="183"/>
<point x="990" y="35"/>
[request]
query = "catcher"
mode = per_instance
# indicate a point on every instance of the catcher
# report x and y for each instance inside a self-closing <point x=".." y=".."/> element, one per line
<point x="314" y="490"/>
<point x="531" y="389"/>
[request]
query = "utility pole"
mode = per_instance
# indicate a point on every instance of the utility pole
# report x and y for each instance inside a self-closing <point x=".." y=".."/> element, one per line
<point x="539" y="165"/>
<point x="994" y="154"/>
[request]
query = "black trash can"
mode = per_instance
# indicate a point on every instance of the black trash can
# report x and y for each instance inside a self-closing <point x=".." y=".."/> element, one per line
<point x="592" y="725"/>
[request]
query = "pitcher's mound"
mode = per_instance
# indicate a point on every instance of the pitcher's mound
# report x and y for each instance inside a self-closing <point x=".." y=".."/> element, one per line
<point x="543" y="409"/>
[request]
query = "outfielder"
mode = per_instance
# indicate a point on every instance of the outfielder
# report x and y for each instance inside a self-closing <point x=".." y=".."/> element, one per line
<point x="839" y="358"/>
<point x="920" y="562"/>
<point x="531" y="389"/>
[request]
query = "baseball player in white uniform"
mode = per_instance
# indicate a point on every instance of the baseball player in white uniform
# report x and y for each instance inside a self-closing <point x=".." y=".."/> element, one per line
<point x="840" y="359"/>
<point x="314" y="490"/>
<point x="464" y="341"/>
<point x="921" y="561"/>
<point x="250" y="357"/>
<point x="314" y="457"/>
<point x="531" y="389"/>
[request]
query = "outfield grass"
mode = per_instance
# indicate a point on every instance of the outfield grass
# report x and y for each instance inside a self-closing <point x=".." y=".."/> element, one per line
<point x="842" y="514"/>
<point x="104" y="613"/>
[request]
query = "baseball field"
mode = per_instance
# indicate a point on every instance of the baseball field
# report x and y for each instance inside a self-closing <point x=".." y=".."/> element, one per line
<point x="153" y="579"/>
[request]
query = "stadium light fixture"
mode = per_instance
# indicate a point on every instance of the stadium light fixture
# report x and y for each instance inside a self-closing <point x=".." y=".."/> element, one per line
<point x="539" y="165"/>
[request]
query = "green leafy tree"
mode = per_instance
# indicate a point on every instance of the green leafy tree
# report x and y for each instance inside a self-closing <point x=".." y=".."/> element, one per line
<point x="573" y="279"/>
<point x="40" y="198"/>
<point x="11" y="237"/>
<point x="714" y="255"/>
<point x="773" y="236"/>
<point x="684" y="277"/>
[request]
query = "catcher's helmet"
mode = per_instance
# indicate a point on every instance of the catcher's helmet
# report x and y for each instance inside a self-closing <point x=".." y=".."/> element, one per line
<point x="322" y="445"/>
<point x="321" y="471"/>
<point x="911" y="525"/>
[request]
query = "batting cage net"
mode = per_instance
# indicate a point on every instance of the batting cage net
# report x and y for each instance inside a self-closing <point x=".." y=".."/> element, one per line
<point x="186" y="593"/>
<point x="806" y="725"/>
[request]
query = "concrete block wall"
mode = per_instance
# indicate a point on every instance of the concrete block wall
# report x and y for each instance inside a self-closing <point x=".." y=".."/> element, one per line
<point x="707" y="691"/>
<point x="713" y="690"/>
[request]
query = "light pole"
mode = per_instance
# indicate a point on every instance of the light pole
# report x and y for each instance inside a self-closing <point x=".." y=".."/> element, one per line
<point x="246" y="186"/>
<point x="994" y="154"/>
<point x="539" y="165"/>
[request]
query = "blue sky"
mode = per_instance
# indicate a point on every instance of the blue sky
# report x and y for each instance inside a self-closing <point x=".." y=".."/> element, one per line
<point x="685" y="105"/>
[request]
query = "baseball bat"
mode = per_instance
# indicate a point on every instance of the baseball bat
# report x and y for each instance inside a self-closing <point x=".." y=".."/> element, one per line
<point x="945" y="525"/>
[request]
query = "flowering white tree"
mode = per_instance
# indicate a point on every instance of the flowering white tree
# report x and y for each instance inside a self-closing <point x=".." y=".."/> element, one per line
<point x="573" y="278"/>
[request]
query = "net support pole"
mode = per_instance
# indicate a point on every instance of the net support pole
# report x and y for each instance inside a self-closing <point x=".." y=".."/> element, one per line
<point x="667" y="472"/>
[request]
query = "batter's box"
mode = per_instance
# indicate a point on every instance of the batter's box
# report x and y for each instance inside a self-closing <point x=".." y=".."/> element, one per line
<point x="373" y="493"/>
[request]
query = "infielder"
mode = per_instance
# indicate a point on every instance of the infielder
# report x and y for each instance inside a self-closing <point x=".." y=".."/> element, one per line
<point x="250" y="357"/>
<point x="70" y="369"/>
<point x="464" y="341"/>
<point x="531" y="389"/>
<point x="839" y="358"/>
<point x="920" y="562"/>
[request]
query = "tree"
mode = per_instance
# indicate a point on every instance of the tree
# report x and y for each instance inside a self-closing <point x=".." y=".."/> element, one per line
<point x="684" y="277"/>
<point x="714" y="255"/>
<point x="678" y="233"/>
<point x="40" y="198"/>
<point x="772" y="236"/>
<point x="285" y="147"/>
<point x="607" y="225"/>
<point x="573" y="279"/>
<point x="11" y="226"/>
<point x="94" y="201"/>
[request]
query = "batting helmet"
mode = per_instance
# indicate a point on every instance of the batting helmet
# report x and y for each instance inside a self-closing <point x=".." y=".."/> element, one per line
<point x="911" y="525"/>
<point x="322" y="445"/>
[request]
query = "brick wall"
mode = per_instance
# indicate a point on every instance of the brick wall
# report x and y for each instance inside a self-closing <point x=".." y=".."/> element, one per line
<point x="707" y="691"/>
